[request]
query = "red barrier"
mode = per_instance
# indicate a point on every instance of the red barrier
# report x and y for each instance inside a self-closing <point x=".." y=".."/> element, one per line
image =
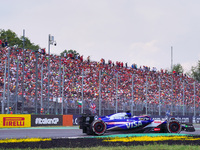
<point x="67" y="120"/>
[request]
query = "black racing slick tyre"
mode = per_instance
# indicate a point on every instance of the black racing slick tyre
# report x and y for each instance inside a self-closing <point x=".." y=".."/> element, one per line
<point x="173" y="126"/>
<point x="99" y="127"/>
<point x="89" y="131"/>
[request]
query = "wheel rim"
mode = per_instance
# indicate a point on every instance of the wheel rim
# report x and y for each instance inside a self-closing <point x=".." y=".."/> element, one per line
<point x="174" y="127"/>
<point x="99" y="127"/>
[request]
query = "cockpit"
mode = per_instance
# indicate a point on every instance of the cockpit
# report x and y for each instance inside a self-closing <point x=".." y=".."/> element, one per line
<point x="120" y="116"/>
<point x="144" y="118"/>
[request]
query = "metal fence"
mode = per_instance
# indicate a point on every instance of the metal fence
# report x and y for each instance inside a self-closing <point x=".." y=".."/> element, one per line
<point x="37" y="83"/>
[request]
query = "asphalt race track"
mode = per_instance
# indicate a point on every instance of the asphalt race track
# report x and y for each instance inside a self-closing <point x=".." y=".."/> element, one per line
<point x="54" y="137"/>
<point x="57" y="132"/>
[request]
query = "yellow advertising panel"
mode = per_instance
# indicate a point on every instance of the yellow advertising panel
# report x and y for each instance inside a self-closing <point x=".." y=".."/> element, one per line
<point x="15" y="121"/>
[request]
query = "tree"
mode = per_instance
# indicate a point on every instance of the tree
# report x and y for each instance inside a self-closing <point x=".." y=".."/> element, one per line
<point x="178" y="68"/>
<point x="69" y="52"/>
<point x="62" y="54"/>
<point x="28" y="44"/>
<point x="196" y="71"/>
<point x="9" y="36"/>
<point x="13" y="39"/>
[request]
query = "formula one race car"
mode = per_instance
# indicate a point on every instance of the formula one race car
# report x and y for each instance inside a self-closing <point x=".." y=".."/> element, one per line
<point x="136" y="124"/>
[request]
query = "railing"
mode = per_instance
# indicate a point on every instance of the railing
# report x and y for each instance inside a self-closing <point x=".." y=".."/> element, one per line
<point x="108" y="88"/>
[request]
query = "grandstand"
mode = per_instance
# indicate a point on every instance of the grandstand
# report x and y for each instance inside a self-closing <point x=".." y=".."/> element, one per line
<point x="102" y="82"/>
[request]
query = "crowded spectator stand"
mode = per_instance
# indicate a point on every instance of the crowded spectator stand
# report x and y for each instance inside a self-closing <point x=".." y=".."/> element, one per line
<point x="173" y="94"/>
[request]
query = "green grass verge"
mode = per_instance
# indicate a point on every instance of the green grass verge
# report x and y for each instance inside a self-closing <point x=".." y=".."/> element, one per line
<point x="146" y="147"/>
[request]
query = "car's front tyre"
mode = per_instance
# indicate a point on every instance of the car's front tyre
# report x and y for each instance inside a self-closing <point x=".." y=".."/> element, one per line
<point x="173" y="126"/>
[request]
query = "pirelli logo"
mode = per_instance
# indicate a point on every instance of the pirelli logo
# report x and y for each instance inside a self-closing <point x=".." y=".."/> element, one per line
<point x="14" y="121"/>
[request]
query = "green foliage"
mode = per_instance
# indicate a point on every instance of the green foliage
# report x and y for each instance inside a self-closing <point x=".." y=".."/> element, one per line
<point x="12" y="39"/>
<point x="178" y="68"/>
<point x="196" y="71"/>
<point x="69" y="52"/>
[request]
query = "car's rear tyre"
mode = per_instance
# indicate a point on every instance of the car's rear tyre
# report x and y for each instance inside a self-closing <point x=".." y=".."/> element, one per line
<point x="99" y="127"/>
<point x="89" y="131"/>
<point x="173" y="126"/>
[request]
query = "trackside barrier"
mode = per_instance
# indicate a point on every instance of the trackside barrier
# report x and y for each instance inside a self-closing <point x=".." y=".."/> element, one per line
<point x="182" y="119"/>
<point x="67" y="120"/>
<point x="75" y="119"/>
<point x="46" y="120"/>
<point x="15" y="121"/>
<point x="196" y="119"/>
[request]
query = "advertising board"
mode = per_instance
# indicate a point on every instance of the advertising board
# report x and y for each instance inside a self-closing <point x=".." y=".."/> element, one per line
<point x="46" y="120"/>
<point x="181" y="119"/>
<point x="67" y="120"/>
<point x="15" y="121"/>
<point x="75" y="119"/>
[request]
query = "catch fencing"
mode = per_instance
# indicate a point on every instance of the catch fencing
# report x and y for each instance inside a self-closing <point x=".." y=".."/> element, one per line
<point x="56" y="85"/>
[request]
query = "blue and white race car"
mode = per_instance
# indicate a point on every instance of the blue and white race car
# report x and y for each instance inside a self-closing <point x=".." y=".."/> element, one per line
<point x="136" y="124"/>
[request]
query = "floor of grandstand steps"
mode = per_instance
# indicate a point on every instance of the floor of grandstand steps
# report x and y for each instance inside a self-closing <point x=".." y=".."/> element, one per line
<point x="57" y="132"/>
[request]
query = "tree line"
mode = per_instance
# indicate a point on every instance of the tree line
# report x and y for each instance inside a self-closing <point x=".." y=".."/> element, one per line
<point x="194" y="72"/>
<point x="13" y="40"/>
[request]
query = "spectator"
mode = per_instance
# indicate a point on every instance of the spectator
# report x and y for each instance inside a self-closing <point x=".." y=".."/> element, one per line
<point x="73" y="80"/>
<point x="3" y="44"/>
<point x="6" y="43"/>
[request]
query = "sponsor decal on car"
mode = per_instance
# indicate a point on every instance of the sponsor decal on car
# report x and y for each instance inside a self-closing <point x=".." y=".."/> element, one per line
<point x="133" y="124"/>
<point x="115" y="123"/>
<point x="156" y="129"/>
<point x="157" y="121"/>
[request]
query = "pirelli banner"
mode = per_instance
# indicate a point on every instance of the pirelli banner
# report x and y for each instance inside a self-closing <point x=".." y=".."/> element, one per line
<point x="15" y="121"/>
<point x="46" y="120"/>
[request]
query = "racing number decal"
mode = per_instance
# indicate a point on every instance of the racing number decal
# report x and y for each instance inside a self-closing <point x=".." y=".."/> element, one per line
<point x="133" y="124"/>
